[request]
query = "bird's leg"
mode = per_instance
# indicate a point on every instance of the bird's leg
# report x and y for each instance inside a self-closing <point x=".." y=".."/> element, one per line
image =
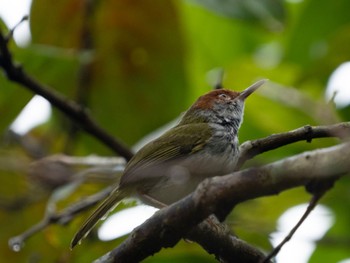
<point x="149" y="200"/>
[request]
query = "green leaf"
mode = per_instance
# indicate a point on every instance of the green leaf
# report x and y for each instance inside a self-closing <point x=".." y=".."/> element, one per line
<point x="316" y="23"/>
<point x="267" y="12"/>
<point x="135" y="80"/>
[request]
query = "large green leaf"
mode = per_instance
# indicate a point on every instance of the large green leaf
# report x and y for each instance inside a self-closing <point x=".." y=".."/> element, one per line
<point x="135" y="79"/>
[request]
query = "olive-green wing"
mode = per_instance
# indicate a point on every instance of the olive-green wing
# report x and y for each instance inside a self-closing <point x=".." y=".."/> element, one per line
<point x="177" y="143"/>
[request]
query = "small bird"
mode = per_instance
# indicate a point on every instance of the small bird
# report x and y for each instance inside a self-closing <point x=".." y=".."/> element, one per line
<point x="204" y="144"/>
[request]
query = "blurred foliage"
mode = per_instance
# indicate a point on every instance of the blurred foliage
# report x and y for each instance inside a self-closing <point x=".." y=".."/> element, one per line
<point x="138" y="64"/>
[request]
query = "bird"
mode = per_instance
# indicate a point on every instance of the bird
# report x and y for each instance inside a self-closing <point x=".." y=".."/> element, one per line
<point x="203" y="144"/>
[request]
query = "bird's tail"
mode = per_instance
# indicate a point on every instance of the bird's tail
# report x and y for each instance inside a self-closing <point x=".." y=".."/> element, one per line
<point x="107" y="205"/>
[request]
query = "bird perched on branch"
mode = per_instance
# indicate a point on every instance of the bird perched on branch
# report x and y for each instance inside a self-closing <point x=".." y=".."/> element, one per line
<point x="204" y="144"/>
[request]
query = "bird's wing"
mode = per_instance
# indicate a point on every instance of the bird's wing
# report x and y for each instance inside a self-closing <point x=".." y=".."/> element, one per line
<point x="177" y="143"/>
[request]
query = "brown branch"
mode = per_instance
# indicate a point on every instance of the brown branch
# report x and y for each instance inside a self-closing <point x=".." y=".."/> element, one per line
<point x="72" y="110"/>
<point x="216" y="239"/>
<point x="209" y="234"/>
<point x="172" y="223"/>
<point x="249" y="149"/>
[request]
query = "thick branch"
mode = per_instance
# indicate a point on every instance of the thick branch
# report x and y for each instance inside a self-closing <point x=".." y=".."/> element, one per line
<point x="72" y="110"/>
<point x="216" y="239"/>
<point x="172" y="223"/>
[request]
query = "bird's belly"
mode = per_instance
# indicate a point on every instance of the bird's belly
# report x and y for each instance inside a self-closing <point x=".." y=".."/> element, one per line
<point x="182" y="178"/>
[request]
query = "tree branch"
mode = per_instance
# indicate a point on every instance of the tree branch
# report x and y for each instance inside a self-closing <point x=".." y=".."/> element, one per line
<point x="213" y="195"/>
<point x="62" y="218"/>
<point x="249" y="149"/>
<point x="216" y="239"/>
<point x="71" y="109"/>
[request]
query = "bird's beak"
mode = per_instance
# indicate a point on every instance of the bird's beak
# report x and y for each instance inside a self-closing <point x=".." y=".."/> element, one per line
<point x="245" y="93"/>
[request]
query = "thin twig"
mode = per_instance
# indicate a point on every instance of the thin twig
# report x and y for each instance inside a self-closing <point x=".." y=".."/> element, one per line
<point x="90" y="160"/>
<point x="10" y="34"/>
<point x="249" y="149"/>
<point x="17" y="242"/>
<point x="312" y="204"/>
<point x="71" y="109"/>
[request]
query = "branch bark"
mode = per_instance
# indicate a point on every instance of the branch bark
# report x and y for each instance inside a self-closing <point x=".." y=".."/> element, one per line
<point x="216" y="239"/>
<point x="172" y="223"/>
<point x="249" y="149"/>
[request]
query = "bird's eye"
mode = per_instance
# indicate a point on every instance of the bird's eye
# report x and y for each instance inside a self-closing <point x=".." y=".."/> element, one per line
<point x="223" y="96"/>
